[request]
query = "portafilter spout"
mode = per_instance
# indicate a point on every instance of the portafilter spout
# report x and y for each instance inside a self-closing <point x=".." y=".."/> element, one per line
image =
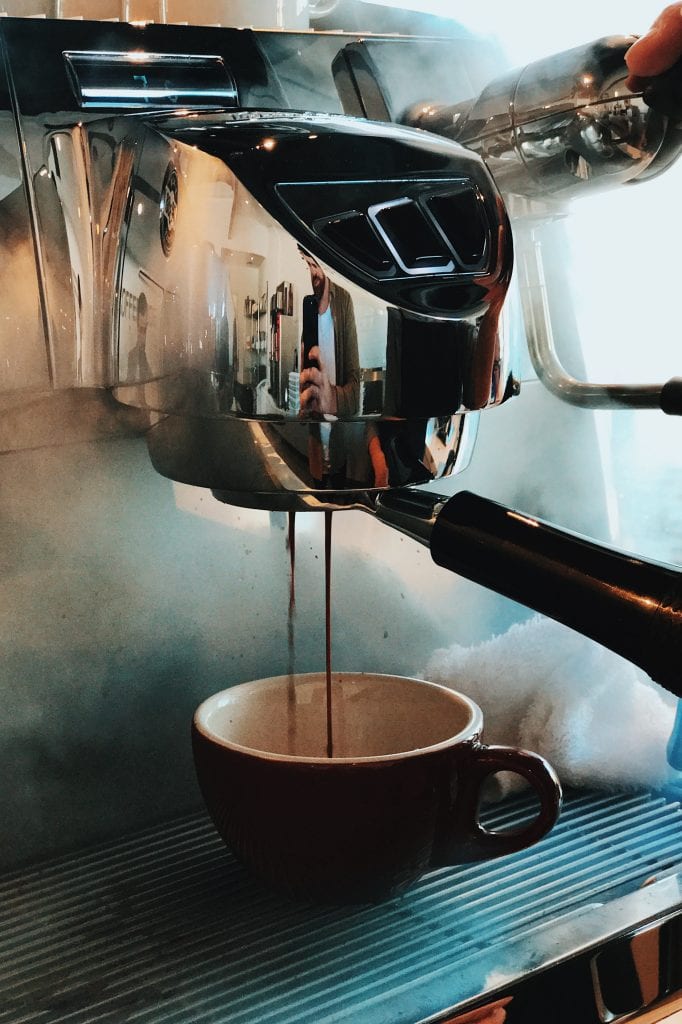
<point x="629" y="604"/>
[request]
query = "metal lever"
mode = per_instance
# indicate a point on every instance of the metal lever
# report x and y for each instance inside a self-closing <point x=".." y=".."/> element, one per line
<point x="549" y="368"/>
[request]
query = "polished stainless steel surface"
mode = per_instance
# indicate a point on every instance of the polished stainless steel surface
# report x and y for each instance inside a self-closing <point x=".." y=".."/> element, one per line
<point x="410" y="511"/>
<point x="558" y="126"/>
<point x="268" y="464"/>
<point x="194" y="239"/>
<point x="637" y="970"/>
<point x="163" y="926"/>
<point x="171" y="273"/>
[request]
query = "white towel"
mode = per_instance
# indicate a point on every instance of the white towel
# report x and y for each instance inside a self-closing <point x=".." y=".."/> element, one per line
<point x="597" y="719"/>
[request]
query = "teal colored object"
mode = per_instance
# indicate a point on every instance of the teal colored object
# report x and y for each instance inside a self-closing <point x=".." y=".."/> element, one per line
<point x="675" y="741"/>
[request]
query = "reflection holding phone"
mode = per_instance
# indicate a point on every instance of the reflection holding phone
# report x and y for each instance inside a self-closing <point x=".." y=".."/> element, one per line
<point x="330" y="374"/>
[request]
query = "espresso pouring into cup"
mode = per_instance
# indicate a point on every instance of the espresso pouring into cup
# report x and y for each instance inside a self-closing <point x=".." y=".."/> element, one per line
<point x="399" y="797"/>
<point x="234" y="450"/>
<point x="416" y="223"/>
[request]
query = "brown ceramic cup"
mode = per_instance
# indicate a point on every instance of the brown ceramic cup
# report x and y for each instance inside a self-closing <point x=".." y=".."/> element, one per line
<point x="399" y="796"/>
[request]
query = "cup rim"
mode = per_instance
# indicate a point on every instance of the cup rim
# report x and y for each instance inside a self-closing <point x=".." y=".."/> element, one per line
<point x="470" y="732"/>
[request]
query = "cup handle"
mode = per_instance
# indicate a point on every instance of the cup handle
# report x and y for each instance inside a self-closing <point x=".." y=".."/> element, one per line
<point x="467" y="840"/>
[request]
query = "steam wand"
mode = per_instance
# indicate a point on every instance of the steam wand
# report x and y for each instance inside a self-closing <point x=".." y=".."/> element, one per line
<point x="632" y="606"/>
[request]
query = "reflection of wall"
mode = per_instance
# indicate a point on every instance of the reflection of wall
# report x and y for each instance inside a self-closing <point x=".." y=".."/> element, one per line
<point x="215" y="274"/>
<point x="257" y="276"/>
<point x="372" y="326"/>
<point x="246" y="281"/>
<point x="187" y="282"/>
<point x="258" y="13"/>
<point x="23" y="349"/>
<point x="10" y="167"/>
<point x="291" y="342"/>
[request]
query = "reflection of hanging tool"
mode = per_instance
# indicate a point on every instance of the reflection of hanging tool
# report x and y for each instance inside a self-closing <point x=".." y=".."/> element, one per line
<point x="310" y="330"/>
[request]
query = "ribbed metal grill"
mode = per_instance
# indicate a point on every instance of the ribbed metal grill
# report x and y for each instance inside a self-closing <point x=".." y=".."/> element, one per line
<point x="164" y="928"/>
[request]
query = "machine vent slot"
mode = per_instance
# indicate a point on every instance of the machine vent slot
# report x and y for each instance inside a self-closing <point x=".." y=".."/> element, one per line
<point x="137" y="79"/>
<point x="410" y="237"/>
<point x="412" y="228"/>
<point x="461" y="218"/>
<point x="354" y="236"/>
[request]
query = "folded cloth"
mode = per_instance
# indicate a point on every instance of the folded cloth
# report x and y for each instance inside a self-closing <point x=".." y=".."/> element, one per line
<point x="599" y="720"/>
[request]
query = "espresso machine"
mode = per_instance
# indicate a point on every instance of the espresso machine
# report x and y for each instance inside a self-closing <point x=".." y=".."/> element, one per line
<point x="161" y="186"/>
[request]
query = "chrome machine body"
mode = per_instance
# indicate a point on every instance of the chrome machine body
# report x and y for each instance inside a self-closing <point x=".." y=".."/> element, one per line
<point x="156" y="184"/>
<point x="199" y="208"/>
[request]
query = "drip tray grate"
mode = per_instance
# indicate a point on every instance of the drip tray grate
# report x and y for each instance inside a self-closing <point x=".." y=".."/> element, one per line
<point x="163" y="927"/>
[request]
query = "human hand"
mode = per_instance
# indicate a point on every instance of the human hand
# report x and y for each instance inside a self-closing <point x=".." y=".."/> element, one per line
<point x="494" y="1013"/>
<point x="318" y="394"/>
<point x="657" y="50"/>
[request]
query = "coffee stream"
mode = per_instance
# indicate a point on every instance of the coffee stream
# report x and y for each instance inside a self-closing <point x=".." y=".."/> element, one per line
<point x="291" y="685"/>
<point x="291" y="689"/>
<point x="291" y="544"/>
<point x="328" y="624"/>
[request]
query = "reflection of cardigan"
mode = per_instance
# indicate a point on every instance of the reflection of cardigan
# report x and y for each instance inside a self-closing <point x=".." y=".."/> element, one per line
<point x="346" y="348"/>
<point x="138" y="364"/>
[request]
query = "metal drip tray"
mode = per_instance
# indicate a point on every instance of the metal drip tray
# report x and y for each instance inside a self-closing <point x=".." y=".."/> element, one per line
<point x="163" y="927"/>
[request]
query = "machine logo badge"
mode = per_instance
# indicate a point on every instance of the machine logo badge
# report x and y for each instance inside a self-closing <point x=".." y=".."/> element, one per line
<point x="168" y="208"/>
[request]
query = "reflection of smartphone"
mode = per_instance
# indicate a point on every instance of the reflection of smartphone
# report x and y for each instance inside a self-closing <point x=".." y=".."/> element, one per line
<point x="310" y="322"/>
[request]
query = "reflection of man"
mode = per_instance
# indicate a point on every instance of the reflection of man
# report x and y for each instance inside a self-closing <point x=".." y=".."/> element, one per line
<point x="330" y="382"/>
<point x="333" y="386"/>
<point x="138" y="364"/>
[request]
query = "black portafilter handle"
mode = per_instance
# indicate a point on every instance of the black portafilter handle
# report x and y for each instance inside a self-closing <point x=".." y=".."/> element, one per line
<point x="632" y="606"/>
<point x="671" y="397"/>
